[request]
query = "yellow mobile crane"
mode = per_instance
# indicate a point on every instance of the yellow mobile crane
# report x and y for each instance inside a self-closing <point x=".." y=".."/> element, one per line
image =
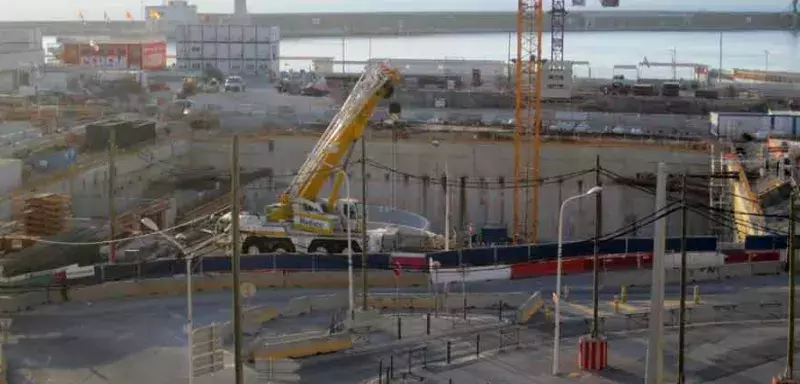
<point x="299" y="222"/>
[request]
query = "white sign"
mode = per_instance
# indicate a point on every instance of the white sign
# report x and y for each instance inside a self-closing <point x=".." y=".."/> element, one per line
<point x="79" y="272"/>
<point x="248" y="290"/>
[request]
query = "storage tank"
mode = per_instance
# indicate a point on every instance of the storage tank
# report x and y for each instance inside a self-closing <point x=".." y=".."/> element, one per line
<point x="149" y="55"/>
<point x="10" y="175"/>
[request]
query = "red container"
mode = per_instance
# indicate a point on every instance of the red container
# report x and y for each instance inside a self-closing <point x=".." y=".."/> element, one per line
<point x="149" y="55"/>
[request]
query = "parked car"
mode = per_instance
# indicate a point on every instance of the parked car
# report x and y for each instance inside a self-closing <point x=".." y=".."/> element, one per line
<point x="234" y="84"/>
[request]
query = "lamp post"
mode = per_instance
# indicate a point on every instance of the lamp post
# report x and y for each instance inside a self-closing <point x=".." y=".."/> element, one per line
<point x="350" y="291"/>
<point x="147" y="222"/>
<point x="557" y="337"/>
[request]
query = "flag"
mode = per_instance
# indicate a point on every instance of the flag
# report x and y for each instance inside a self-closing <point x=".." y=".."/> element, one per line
<point x="80" y="16"/>
<point x="128" y="15"/>
<point x="106" y="18"/>
<point x="154" y="14"/>
<point x="397" y="269"/>
<point x="646" y="62"/>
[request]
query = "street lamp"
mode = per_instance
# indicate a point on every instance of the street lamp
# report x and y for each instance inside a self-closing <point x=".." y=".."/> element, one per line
<point x="151" y="225"/>
<point x="557" y="337"/>
<point x="350" y="291"/>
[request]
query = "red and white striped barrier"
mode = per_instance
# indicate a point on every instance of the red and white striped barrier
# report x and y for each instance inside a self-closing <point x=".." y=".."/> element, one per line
<point x="592" y="353"/>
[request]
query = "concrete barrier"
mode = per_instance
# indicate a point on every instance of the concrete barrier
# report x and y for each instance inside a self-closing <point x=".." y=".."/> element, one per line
<point x="303" y="347"/>
<point x="254" y="318"/>
<point x="529" y="308"/>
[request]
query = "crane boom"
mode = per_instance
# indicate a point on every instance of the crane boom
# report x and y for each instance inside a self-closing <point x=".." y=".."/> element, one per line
<point x="376" y="83"/>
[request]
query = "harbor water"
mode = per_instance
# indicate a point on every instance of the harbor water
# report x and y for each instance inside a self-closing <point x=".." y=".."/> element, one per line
<point x="770" y="50"/>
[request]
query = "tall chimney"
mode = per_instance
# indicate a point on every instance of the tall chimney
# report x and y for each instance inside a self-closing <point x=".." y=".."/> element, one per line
<point x="240" y="8"/>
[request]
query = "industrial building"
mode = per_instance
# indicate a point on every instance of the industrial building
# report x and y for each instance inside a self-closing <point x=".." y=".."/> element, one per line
<point x="21" y="52"/>
<point x="234" y="49"/>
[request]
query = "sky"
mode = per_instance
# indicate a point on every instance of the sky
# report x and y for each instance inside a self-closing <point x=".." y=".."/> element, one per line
<point x="68" y="10"/>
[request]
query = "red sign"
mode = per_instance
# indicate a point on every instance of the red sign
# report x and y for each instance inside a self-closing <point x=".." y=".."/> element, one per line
<point x="397" y="269"/>
<point x="154" y="55"/>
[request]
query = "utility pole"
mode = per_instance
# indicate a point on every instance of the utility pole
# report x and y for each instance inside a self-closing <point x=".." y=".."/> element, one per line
<point x="655" y="361"/>
<point x="598" y="228"/>
<point x="364" y="244"/>
<point x="235" y="265"/>
<point x="789" y="374"/>
<point x="682" y="326"/>
<point x="112" y="183"/>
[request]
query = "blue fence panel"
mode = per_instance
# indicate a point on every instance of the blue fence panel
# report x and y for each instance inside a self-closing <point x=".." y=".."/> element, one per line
<point x="578" y="248"/>
<point x="701" y="244"/>
<point x="217" y="264"/>
<point x="256" y="262"/>
<point x="115" y="272"/>
<point x="163" y="268"/>
<point x="780" y="242"/>
<point x="638" y="244"/>
<point x="759" y="242"/>
<point x="477" y="256"/>
<point x="611" y="246"/>
<point x="376" y="261"/>
<point x="544" y="251"/>
<point x="513" y="254"/>
<point x="293" y="261"/>
<point x="446" y="259"/>
<point x="330" y="262"/>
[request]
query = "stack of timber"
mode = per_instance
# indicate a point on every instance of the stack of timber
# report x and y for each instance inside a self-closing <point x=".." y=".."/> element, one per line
<point x="45" y="214"/>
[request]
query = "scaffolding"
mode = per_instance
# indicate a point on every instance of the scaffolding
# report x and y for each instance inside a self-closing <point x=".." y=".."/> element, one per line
<point x="719" y="191"/>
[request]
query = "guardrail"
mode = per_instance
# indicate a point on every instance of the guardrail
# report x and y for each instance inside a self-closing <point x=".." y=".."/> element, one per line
<point x="284" y="265"/>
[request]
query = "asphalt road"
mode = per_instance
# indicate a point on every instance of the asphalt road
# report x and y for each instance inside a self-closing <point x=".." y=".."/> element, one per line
<point x="141" y="341"/>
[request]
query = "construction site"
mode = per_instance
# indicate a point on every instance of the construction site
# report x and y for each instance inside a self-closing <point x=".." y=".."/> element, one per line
<point x="441" y="157"/>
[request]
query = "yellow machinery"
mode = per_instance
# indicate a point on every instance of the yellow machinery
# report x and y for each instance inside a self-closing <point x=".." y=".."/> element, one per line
<point x="299" y="221"/>
<point x="376" y="83"/>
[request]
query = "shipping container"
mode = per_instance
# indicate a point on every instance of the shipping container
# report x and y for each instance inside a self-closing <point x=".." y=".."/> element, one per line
<point x="53" y="161"/>
<point x="154" y="56"/>
<point x="182" y="33"/>
<point x="223" y="33"/>
<point x="195" y="33"/>
<point x="195" y="51"/>
<point x="263" y="51"/>
<point x="275" y="34"/>
<point x="249" y="67"/>
<point x="196" y="65"/>
<point x="494" y="235"/>
<point x="249" y="52"/>
<point x="209" y="33"/>
<point x="146" y="55"/>
<point x="236" y="33"/>
<point x="209" y="51"/>
<point x="249" y="33"/>
<point x="237" y="66"/>
<point x="223" y="50"/>
<point x="237" y="51"/>
<point x="733" y="125"/>
<point x="276" y="51"/>
<point x="208" y="64"/>
<point x="10" y="175"/>
<point x="263" y="34"/>
<point x="224" y="65"/>
<point x="129" y="133"/>
<point x="782" y="126"/>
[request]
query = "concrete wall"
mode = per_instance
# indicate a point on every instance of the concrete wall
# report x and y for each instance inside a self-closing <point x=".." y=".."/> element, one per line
<point x="89" y="189"/>
<point x="476" y="160"/>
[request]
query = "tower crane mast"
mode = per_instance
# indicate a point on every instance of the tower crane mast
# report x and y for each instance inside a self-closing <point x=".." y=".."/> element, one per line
<point x="528" y="117"/>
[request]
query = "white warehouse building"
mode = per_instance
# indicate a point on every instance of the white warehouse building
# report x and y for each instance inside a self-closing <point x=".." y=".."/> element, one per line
<point x="21" y="53"/>
<point x="246" y="50"/>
